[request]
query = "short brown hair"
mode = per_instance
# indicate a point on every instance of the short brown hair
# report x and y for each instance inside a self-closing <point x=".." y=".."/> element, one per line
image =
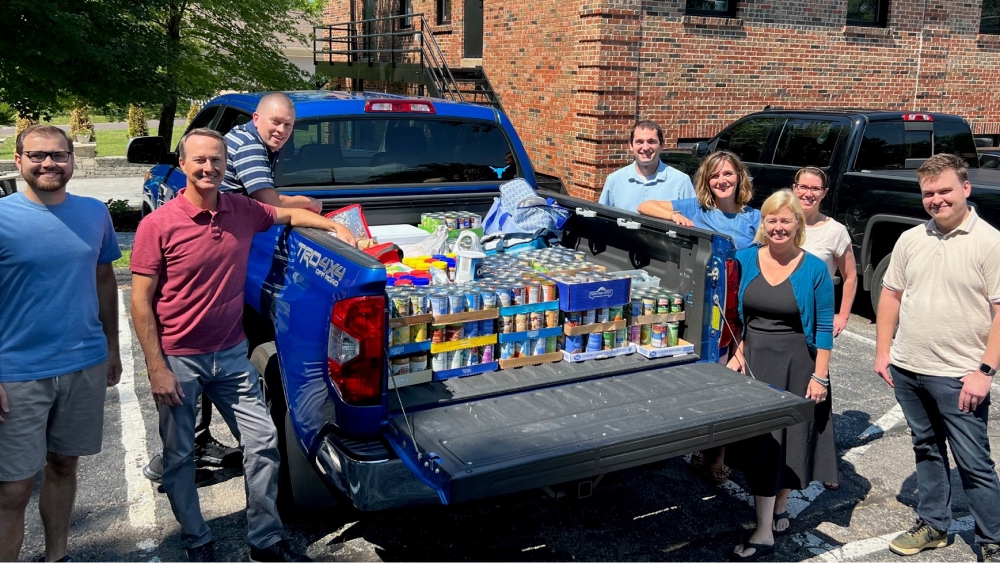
<point x="702" y="189"/>
<point x="646" y="124"/>
<point x="50" y="131"/>
<point x="815" y="172"/>
<point x="201" y="132"/>
<point x="935" y="165"/>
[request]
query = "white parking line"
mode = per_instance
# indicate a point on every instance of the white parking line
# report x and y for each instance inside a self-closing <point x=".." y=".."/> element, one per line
<point x="853" y="551"/>
<point x="141" y="504"/>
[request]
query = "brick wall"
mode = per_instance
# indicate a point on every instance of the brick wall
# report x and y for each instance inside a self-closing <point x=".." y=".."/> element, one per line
<point x="574" y="74"/>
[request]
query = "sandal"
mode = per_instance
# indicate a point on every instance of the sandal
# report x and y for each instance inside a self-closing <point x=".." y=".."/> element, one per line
<point x="774" y="524"/>
<point x="716" y="474"/>
<point x="698" y="460"/>
<point x="831" y="486"/>
<point x="759" y="550"/>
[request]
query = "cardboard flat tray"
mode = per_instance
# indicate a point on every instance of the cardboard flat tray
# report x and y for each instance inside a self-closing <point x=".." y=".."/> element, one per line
<point x="531" y="360"/>
<point x="476" y="341"/>
<point x="525" y="335"/>
<point x="597" y="327"/>
<point x="409" y="349"/>
<point x="410" y="321"/>
<point x="466" y="371"/>
<point x="650" y="319"/>
<point x="408" y="379"/>
<point x="529" y="308"/>
<point x="683" y="347"/>
<point x="470" y="316"/>
<point x="600" y="354"/>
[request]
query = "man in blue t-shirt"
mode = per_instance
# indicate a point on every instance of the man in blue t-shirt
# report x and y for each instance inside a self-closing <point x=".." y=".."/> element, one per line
<point x="58" y="337"/>
<point x="646" y="177"/>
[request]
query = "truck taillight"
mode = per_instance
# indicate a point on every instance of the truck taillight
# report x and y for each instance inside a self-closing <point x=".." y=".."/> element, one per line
<point x="356" y="347"/>
<point x="918" y="117"/>
<point x="399" y="106"/>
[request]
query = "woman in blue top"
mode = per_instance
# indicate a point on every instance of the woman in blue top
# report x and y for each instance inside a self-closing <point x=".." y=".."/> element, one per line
<point x="723" y="189"/>
<point x="786" y="305"/>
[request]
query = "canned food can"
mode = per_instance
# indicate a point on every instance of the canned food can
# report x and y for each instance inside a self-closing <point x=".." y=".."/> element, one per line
<point x="603" y="315"/>
<point x="536" y="321"/>
<point x="400" y="305"/>
<point x="659" y="335"/>
<point x="571" y="319"/>
<point x="451" y="222"/>
<point x="551" y="344"/>
<point x="534" y="292"/>
<point x="486" y="327"/>
<point x="400" y="335"/>
<point x="663" y="304"/>
<point x="439" y="302"/>
<point x="646" y="334"/>
<point x="636" y="306"/>
<point x="648" y="305"/>
<point x="588" y="317"/>
<point x="615" y="313"/>
<point x="635" y="334"/>
<point x="454" y="332"/>
<point x="519" y="293"/>
<point x="552" y="318"/>
<point x="487" y="354"/>
<point x="595" y="341"/>
<point x="549" y="292"/>
<point x="418" y="303"/>
<point x="418" y="332"/>
<point x="400" y="366"/>
<point x="609" y="340"/>
<point x="438" y="334"/>
<point x="620" y="337"/>
<point x="676" y="303"/>
<point x="471" y="357"/>
<point x="537" y="346"/>
<point x="456" y="359"/>
<point x="520" y="322"/>
<point x="503" y="296"/>
<point x="506" y="350"/>
<point x="673" y="330"/>
<point x="439" y="362"/>
<point x="418" y="363"/>
<point x="506" y="324"/>
<point x="518" y="349"/>
<point x="489" y="299"/>
<point x="456" y="303"/>
<point x="573" y="344"/>
<point x="473" y="300"/>
<point x="470" y="329"/>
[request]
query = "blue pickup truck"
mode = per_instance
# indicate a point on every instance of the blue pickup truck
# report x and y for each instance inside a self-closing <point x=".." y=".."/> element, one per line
<point x="317" y="319"/>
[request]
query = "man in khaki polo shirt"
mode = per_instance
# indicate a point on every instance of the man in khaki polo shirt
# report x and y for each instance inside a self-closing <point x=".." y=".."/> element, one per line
<point x="942" y="288"/>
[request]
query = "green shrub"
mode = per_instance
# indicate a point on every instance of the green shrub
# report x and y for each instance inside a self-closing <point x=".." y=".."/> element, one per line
<point x="124" y="218"/>
<point x="80" y="123"/>
<point x="137" y="122"/>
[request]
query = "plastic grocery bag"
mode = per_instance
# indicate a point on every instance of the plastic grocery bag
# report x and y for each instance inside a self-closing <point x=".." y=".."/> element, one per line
<point x="437" y="243"/>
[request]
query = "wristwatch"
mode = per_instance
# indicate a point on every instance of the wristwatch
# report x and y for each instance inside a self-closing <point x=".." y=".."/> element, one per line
<point x="987" y="370"/>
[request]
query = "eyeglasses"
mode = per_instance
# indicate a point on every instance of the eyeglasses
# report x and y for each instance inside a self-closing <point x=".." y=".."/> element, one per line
<point x="802" y="188"/>
<point x="39" y="157"/>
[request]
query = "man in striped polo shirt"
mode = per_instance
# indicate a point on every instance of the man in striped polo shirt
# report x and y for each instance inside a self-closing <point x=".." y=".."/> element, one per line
<point x="253" y="148"/>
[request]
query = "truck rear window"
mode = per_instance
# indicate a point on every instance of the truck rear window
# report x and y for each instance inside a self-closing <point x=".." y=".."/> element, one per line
<point x="394" y="150"/>
<point x="889" y="146"/>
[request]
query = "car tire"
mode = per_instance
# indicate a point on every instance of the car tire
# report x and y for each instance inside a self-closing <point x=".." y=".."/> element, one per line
<point x="876" y="288"/>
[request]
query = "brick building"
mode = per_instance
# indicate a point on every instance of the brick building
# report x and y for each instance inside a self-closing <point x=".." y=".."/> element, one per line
<point x="573" y="75"/>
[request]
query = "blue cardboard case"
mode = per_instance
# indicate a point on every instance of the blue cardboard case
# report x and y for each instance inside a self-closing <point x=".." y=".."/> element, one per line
<point x="594" y="295"/>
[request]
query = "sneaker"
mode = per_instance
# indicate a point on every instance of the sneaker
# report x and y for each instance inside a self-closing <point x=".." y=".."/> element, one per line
<point x="918" y="538"/>
<point x="216" y="454"/>
<point x="154" y="469"/>
<point x="991" y="552"/>
<point x="65" y="558"/>
<point x="280" y="551"/>
<point x="204" y="552"/>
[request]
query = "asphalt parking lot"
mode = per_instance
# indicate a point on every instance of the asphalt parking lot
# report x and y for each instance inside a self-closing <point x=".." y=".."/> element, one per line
<point x="659" y="512"/>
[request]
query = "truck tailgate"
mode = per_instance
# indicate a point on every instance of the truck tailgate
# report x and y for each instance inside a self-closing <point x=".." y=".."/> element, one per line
<point x="542" y="437"/>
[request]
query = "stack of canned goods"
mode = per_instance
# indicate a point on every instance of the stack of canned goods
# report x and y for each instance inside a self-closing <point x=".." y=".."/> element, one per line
<point x="451" y="219"/>
<point x="654" y="301"/>
<point x="595" y="341"/>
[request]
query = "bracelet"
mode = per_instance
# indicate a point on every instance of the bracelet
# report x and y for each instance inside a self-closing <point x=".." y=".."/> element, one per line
<point x="824" y="382"/>
<point x="672" y="213"/>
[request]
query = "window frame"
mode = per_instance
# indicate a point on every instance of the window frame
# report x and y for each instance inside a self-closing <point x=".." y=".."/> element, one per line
<point x="881" y="18"/>
<point x="405" y="8"/>
<point x="443" y="8"/>
<point x="996" y="18"/>
<point x="767" y="144"/>
<point x="834" y="127"/>
<point x="729" y="12"/>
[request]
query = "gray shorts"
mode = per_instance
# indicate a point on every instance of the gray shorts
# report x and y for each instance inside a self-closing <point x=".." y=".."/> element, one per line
<point x="63" y="415"/>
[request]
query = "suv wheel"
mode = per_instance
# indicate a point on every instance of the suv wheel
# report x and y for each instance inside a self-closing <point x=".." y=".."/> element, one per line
<point x="876" y="290"/>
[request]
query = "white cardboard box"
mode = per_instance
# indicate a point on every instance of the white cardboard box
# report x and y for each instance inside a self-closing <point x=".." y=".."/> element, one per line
<point x="399" y="234"/>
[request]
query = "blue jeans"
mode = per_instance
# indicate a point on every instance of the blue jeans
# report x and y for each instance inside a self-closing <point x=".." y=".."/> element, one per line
<point x="231" y="382"/>
<point x="930" y="404"/>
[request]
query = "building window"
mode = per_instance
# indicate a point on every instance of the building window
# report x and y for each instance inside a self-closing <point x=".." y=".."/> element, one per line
<point x="443" y="12"/>
<point x="989" y="19"/>
<point x="872" y="13"/>
<point x="405" y="9"/>
<point x="717" y="8"/>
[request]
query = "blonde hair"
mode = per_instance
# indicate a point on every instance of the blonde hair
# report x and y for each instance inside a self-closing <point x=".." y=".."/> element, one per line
<point x="782" y="199"/>
<point x="702" y="189"/>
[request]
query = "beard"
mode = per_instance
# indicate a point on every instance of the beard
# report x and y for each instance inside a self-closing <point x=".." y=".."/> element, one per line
<point x="34" y="179"/>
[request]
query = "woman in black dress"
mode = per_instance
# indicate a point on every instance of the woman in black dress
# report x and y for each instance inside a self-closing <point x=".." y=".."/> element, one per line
<point x="787" y="308"/>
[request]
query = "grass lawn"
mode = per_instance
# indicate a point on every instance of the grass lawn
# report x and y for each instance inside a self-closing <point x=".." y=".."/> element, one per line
<point x="124" y="260"/>
<point x="109" y="143"/>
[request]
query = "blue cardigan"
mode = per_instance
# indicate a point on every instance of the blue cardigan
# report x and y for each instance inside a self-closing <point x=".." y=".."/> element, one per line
<point x="813" y="291"/>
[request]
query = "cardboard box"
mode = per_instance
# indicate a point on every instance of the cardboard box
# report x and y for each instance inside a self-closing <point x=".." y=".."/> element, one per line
<point x="410" y="321"/>
<point x="683" y="347"/>
<point x="529" y="308"/>
<point x="408" y="379"/>
<point x="664" y="318"/>
<point x="590" y="329"/>
<point x="593" y="295"/>
<point x="526" y="334"/>
<point x="485" y="314"/>
<point x="600" y="354"/>
<point x="466" y="371"/>
<point x="531" y="360"/>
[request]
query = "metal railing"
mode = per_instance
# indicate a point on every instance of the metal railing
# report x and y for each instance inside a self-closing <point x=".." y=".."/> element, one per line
<point x="402" y="39"/>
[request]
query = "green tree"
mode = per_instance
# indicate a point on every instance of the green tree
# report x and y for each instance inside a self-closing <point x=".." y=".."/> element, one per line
<point x="217" y="45"/>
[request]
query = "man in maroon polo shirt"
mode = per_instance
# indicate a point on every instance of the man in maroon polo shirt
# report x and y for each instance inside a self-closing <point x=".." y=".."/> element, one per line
<point x="189" y="264"/>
